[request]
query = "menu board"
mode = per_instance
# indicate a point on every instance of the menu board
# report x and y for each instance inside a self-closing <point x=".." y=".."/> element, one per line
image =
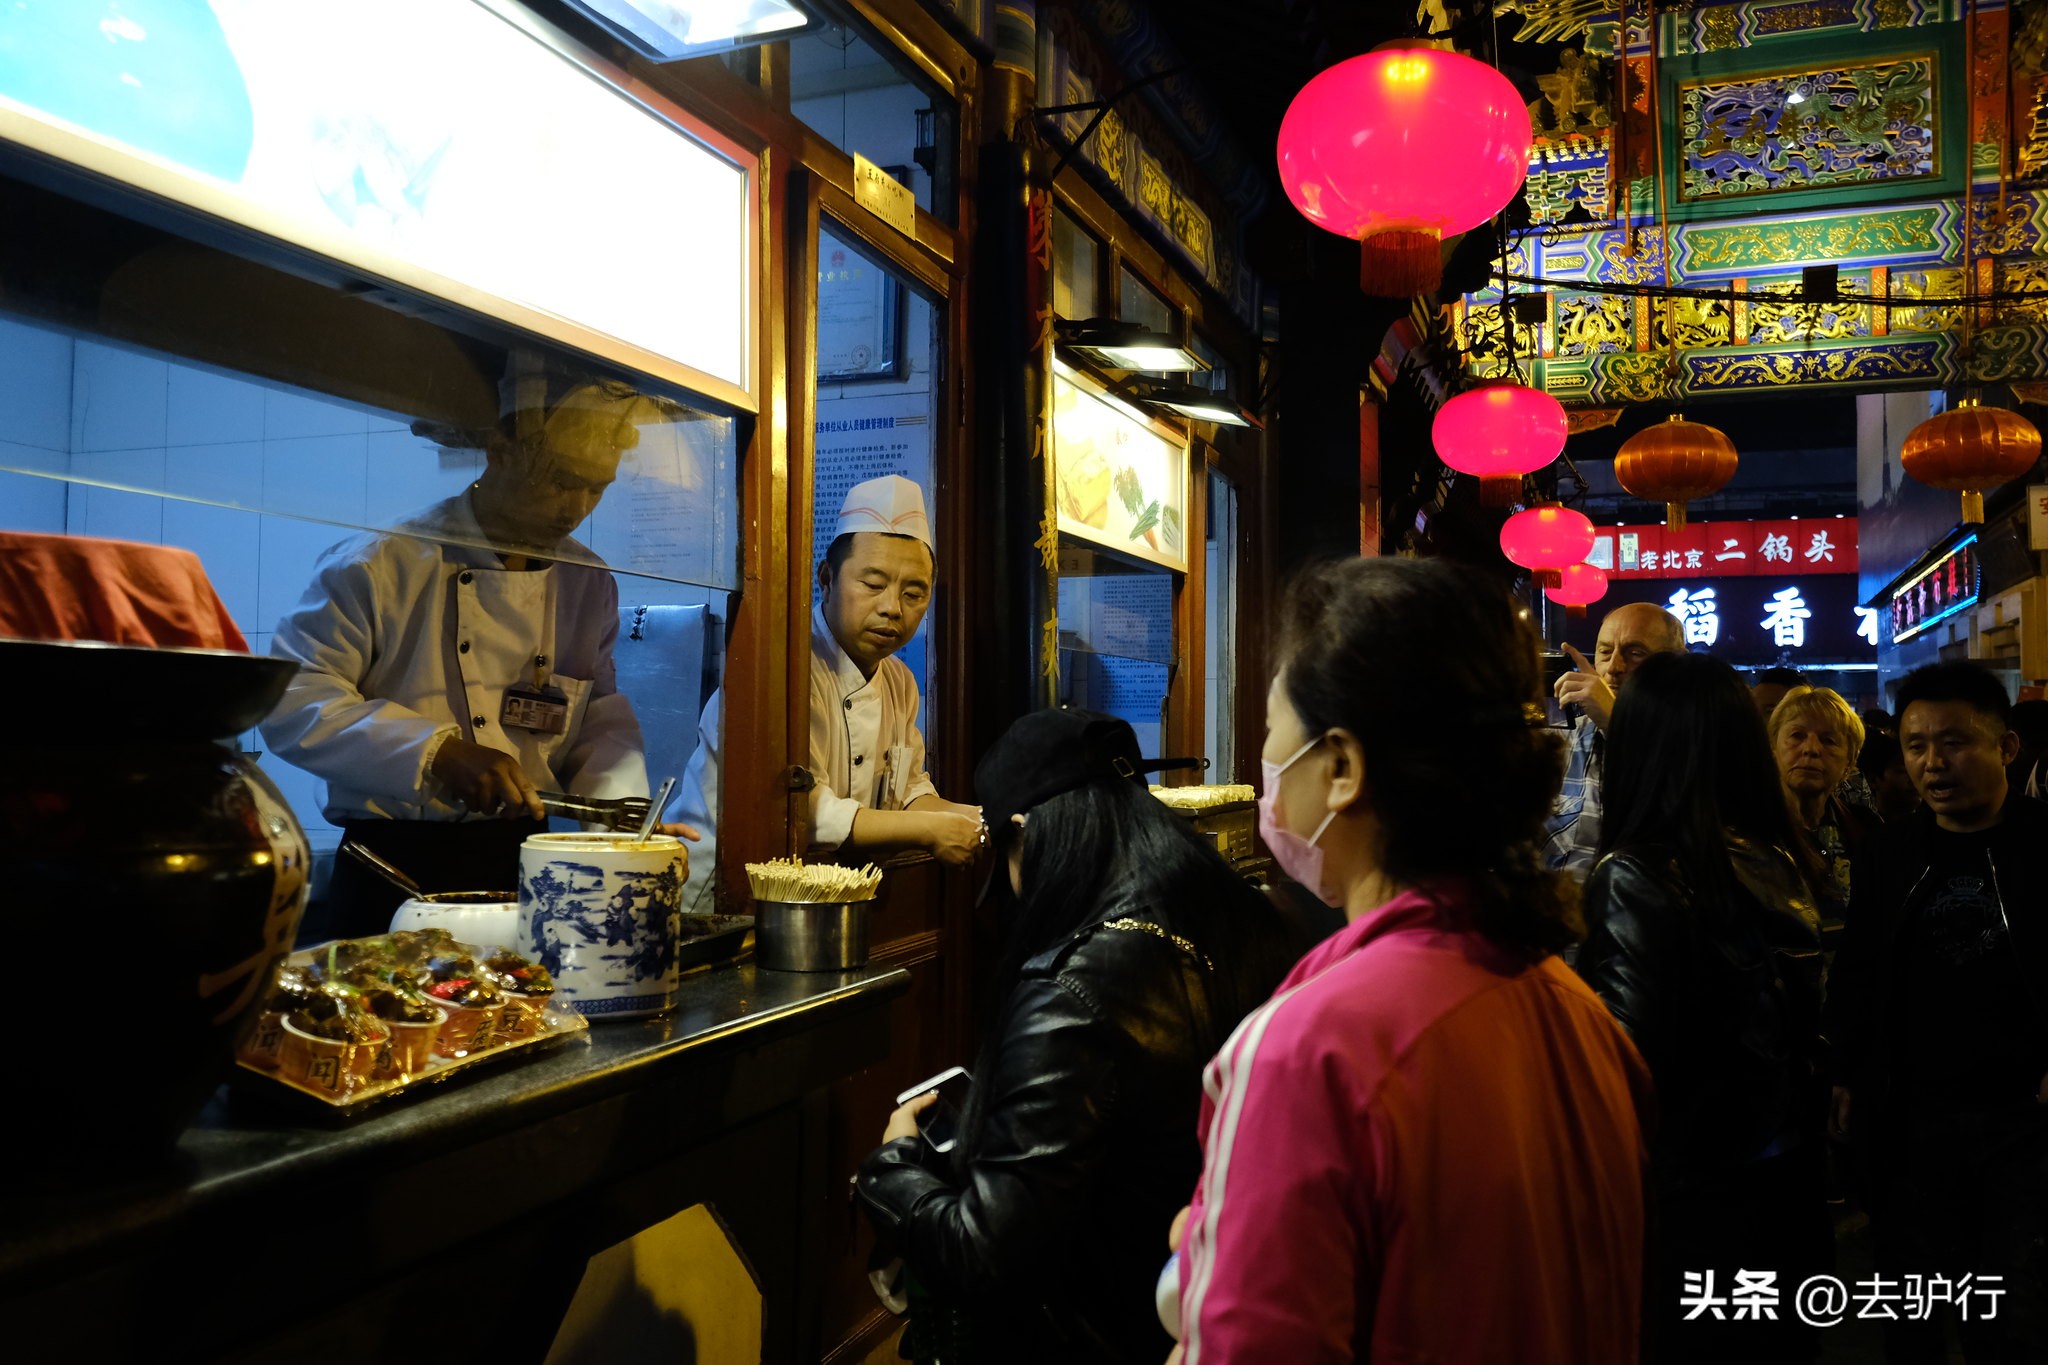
<point x="1121" y="483"/>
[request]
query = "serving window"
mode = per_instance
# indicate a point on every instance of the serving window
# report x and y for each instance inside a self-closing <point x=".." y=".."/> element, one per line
<point x="163" y="390"/>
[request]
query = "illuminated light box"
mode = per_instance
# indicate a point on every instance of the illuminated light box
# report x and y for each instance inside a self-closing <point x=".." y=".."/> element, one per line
<point x="695" y="28"/>
<point x="458" y="148"/>
<point x="1121" y="479"/>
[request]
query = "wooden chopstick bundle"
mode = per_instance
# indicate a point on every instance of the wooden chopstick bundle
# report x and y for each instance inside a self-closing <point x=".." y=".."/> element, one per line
<point x="794" y="880"/>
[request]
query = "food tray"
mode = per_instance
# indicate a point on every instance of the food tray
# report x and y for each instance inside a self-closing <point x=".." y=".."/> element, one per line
<point x="344" y="1076"/>
<point x="712" y="938"/>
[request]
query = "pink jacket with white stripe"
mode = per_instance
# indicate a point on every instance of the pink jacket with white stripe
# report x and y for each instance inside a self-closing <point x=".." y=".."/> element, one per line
<point x="1424" y="1150"/>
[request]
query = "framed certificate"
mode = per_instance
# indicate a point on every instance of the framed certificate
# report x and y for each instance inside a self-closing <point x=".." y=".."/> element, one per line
<point x="860" y="317"/>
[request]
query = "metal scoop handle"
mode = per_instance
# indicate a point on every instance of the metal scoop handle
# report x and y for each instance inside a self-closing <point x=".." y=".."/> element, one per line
<point x="384" y="869"/>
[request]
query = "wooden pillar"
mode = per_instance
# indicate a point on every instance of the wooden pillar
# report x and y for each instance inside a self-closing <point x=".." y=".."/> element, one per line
<point x="1368" y="473"/>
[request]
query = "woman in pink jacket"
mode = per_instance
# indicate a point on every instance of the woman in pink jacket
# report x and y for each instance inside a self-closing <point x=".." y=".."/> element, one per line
<point x="1426" y="1148"/>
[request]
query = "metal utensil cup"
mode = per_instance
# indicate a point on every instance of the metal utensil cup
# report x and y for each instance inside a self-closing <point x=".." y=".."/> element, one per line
<point x="811" y="936"/>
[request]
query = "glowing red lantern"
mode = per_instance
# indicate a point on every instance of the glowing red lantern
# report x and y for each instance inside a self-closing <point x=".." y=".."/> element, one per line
<point x="1580" y="586"/>
<point x="1499" y="432"/>
<point x="1547" y="539"/>
<point x="1399" y="149"/>
<point x="1673" y="463"/>
<point x="1971" y="448"/>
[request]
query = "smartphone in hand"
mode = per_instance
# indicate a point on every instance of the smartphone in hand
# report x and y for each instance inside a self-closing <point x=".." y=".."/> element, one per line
<point x="940" y="1123"/>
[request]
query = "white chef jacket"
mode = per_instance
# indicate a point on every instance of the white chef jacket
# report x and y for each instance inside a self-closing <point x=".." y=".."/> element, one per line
<point x="404" y="640"/>
<point x="866" y="751"/>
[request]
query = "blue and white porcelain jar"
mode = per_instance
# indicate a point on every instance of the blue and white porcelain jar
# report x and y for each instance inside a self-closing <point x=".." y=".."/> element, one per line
<point x="602" y="912"/>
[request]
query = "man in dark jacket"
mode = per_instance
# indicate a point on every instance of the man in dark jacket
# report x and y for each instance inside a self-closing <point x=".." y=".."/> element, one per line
<point x="1939" y="1016"/>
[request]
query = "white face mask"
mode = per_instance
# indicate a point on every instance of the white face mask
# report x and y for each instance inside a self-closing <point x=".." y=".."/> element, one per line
<point x="1299" y="858"/>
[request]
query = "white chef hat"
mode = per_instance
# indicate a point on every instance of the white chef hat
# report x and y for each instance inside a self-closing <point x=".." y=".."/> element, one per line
<point x="891" y="504"/>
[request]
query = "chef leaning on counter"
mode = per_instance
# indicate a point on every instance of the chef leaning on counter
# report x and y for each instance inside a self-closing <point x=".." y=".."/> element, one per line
<point x="872" y="796"/>
<point x="454" y="667"/>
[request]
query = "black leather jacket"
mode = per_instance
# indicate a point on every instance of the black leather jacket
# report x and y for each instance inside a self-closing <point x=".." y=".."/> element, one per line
<point x="1050" y="1221"/>
<point x="1866" y="989"/>
<point x="1723" y="1001"/>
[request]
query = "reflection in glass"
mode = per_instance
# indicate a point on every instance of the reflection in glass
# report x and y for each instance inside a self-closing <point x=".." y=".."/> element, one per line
<point x="850" y="92"/>
<point x="1116" y="638"/>
<point x="1142" y="304"/>
<point x="1075" y="291"/>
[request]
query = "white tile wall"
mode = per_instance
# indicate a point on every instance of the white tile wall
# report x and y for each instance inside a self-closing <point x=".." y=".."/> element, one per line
<point x="288" y="551"/>
<point x="287" y="414"/>
<point x="29" y="502"/>
<point x="205" y="408"/>
<point x="225" y="472"/>
<point x="406" y="473"/>
<point x="119" y="399"/>
<point x="317" y="476"/>
<point x="112" y="513"/>
<point x="35" y="387"/>
<point x="227" y="541"/>
<point x="14" y="455"/>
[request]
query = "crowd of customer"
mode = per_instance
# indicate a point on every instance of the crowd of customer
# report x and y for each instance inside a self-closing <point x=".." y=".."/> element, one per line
<point x="1567" y="1081"/>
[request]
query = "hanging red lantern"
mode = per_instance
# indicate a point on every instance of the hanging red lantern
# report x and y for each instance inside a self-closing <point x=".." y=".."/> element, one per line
<point x="1545" y="540"/>
<point x="1580" y="586"/>
<point x="1500" y="432"/>
<point x="1673" y="463"/>
<point x="1400" y="148"/>
<point x="1970" y="449"/>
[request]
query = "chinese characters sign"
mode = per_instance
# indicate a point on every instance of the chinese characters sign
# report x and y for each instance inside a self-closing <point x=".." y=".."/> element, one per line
<point x="1802" y="619"/>
<point x="1720" y="548"/>
<point x="1939" y="592"/>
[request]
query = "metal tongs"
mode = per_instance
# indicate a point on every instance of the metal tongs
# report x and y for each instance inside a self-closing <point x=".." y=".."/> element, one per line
<point x="623" y="814"/>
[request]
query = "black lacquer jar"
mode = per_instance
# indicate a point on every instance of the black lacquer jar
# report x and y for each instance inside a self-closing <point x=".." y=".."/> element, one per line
<point x="151" y="879"/>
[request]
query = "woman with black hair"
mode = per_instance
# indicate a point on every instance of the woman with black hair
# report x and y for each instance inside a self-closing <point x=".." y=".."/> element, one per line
<point x="1704" y="941"/>
<point x="1132" y="951"/>
<point x="1426" y="1147"/>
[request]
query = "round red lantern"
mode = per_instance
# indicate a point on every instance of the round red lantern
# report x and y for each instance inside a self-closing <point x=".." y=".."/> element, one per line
<point x="1399" y="149"/>
<point x="1673" y="463"/>
<point x="1499" y="432"/>
<point x="1969" y="449"/>
<point x="1580" y="587"/>
<point x="1545" y="540"/>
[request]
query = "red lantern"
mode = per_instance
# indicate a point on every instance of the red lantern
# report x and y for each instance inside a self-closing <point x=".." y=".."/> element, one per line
<point x="1969" y="449"/>
<point x="1499" y="432"/>
<point x="1545" y="540"/>
<point x="1582" y="585"/>
<point x="1399" y="149"/>
<point x="1673" y="463"/>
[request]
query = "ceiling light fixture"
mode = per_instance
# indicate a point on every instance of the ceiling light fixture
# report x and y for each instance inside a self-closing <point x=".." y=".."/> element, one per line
<point x="1187" y="401"/>
<point x="1114" y="345"/>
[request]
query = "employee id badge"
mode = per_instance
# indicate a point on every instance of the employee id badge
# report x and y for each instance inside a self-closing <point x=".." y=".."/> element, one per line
<point x="543" y="709"/>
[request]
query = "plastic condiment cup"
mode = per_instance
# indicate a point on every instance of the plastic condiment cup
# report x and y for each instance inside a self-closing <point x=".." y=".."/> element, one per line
<point x="468" y="1028"/>
<point x="332" y="1065"/>
<point x="410" y="1048"/>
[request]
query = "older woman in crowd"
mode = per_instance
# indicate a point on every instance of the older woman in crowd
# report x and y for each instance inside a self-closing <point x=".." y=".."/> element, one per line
<point x="1427" y="1146"/>
<point x="1704" y="941"/>
<point x="1815" y="737"/>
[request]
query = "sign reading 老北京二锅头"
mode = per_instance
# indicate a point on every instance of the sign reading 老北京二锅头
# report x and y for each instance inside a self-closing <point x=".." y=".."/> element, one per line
<point x="1724" y="548"/>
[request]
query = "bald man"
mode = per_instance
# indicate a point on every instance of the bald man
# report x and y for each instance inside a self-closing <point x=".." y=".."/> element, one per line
<point x="1630" y="634"/>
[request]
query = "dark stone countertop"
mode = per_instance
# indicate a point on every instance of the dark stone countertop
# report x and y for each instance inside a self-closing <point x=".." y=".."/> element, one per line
<point x="249" y="1151"/>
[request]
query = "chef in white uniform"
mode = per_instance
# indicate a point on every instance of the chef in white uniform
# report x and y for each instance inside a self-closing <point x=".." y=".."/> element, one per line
<point x="454" y="667"/>
<point x="872" y="797"/>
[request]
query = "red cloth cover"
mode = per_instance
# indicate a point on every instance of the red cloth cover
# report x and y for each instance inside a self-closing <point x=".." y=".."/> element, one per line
<point x="78" y="588"/>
